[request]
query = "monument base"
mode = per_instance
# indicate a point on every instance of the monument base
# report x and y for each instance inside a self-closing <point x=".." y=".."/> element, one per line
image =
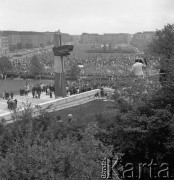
<point x="60" y="88"/>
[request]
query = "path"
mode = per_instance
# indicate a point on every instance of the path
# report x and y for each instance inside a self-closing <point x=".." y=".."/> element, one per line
<point x="24" y="99"/>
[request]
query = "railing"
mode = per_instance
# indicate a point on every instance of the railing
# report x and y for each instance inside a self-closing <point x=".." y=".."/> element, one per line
<point x="149" y="77"/>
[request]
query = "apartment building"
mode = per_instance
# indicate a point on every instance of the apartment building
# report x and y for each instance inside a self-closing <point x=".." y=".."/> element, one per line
<point x="86" y="38"/>
<point x="141" y="40"/>
<point x="49" y="37"/>
<point x="4" y="45"/>
<point x="117" y="38"/>
<point x="112" y="38"/>
<point x="144" y="35"/>
<point x="29" y="39"/>
<point x="14" y="41"/>
<point x="26" y="40"/>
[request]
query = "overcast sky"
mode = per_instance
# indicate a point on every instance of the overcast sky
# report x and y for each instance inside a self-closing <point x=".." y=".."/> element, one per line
<point x="91" y="16"/>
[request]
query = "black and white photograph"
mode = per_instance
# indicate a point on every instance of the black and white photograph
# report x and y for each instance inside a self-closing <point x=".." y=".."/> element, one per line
<point x="86" y="89"/>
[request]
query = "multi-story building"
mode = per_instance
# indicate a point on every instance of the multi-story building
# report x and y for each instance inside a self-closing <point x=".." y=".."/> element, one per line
<point x="26" y="40"/>
<point x="18" y="40"/>
<point x="86" y="38"/>
<point x="114" y="38"/>
<point x="4" y="46"/>
<point x="142" y="39"/>
<point x="49" y="38"/>
<point x="35" y="40"/>
<point x="144" y="35"/>
<point x="14" y="41"/>
<point x="117" y="38"/>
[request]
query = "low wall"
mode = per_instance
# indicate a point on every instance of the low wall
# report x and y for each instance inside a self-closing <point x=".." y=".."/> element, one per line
<point x="58" y="104"/>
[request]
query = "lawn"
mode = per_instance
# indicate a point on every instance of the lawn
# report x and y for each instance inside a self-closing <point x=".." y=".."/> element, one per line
<point x="85" y="110"/>
<point x="9" y="85"/>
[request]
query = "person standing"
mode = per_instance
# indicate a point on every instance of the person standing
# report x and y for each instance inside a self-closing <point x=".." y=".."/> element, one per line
<point x="137" y="69"/>
<point x="70" y="118"/>
<point x="59" y="119"/>
<point x="3" y="95"/>
<point x="50" y="94"/>
<point x="15" y="103"/>
<point x="11" y="95"/>
<point x="33" y="92"/>
<point x="68" y="94"/>
<point x="48" y="91"/>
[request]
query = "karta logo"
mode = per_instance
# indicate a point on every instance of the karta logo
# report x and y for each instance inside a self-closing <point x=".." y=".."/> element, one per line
<point x="112" y="168"/>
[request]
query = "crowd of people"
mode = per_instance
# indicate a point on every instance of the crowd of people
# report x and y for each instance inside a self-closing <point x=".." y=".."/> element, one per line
<point x="22" y="64"/>
<point x="11" y="103"/>
<point x="72" y="88"/>
<point x="92" y="64"/>
<point x="37" y="90"/>
<point x="98" y="64"/>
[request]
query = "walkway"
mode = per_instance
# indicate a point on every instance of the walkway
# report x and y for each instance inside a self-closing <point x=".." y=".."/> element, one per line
<point x="23" y="100"/>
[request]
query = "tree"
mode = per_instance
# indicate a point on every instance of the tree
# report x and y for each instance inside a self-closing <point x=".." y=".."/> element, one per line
<point x="29" y="150"/>
<point x="163" y="45"/>
<point x="74" y="71"/>
<point x="35" y="66"/>
<point x="5" y="65"/>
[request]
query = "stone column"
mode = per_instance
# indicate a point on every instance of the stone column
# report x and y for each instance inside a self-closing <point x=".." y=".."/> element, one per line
<point x="60" y="86"/>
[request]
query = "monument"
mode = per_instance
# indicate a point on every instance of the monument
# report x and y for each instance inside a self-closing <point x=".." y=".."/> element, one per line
<point x="59" y="52"/>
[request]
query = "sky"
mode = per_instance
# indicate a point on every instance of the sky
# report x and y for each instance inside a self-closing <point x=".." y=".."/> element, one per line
<point x="90" y="16"/>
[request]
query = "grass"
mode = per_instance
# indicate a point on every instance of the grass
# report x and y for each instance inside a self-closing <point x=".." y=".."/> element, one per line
<point x="81" y="111"/>
<point x="9" y="85"/>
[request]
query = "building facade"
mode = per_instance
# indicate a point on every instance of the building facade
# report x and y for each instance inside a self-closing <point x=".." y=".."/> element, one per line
<point x="14" y="41"/>
<point x="27" y="39"/>
<point x="141" y="40"/>
<point x="4" y="45"/>
<point x="86" y="38"/>
<point x="117" y="38"/>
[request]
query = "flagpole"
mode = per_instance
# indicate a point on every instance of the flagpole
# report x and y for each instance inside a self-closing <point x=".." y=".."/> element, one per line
<point x="61" y="57"/>
<point x="60" y="40"/>
<point x="60" y="37"/>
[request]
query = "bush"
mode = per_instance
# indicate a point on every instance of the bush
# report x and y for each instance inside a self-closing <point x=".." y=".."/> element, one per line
<point x="32" y="149"/>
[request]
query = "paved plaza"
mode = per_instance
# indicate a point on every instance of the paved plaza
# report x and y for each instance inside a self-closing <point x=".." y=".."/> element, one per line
<point x="24" y="99"/>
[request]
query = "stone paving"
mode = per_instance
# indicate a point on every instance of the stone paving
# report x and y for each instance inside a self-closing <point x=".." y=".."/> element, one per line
<point x="24" y="99"/>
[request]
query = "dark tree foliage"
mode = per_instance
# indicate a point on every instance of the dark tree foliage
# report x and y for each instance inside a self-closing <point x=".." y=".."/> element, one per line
<point x="163" y="44"/>
<point x="5" y="65"/>
<point x="42" y="148"/>
<point x="74" y="71"/>
<point x="36" y="67"/>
